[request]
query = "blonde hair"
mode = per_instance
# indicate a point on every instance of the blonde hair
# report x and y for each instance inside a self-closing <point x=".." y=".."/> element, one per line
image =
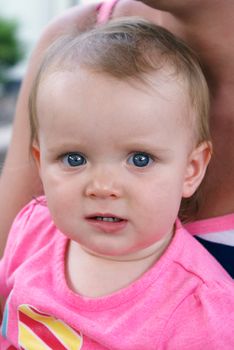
<point x="129" y="48"/>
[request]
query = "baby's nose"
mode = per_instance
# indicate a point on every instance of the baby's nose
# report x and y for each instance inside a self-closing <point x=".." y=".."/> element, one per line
<point x="103" y="185"/>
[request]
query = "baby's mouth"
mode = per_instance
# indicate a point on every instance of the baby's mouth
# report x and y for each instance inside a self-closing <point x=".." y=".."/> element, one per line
<point x="107" y="223"/>
<point x="107" y="218"/>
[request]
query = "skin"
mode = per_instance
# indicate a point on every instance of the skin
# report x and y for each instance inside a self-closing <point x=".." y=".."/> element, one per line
<point x="207" y="26"/>
<point x="107" y="182"/>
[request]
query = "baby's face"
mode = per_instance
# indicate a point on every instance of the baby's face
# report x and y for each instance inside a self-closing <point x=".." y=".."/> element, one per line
<point x="115" y="159"/>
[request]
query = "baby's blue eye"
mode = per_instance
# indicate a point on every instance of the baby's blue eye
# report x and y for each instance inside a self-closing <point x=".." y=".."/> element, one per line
<point x="140" y="159"/>
<point x="73" y="159"/>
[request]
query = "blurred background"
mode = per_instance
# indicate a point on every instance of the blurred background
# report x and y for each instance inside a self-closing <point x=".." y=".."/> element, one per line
<point x="21" y="23"/>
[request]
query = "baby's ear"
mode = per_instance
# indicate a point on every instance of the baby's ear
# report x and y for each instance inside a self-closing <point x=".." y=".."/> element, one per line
<point x="36" y="154"/>
<point x="196" y="168"/>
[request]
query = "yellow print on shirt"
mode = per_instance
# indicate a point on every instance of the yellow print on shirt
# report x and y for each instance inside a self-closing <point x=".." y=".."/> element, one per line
<point x="40" y="331"/>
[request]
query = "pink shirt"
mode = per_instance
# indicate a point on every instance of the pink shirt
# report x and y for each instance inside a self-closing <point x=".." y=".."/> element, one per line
<point x="185" y="301"/>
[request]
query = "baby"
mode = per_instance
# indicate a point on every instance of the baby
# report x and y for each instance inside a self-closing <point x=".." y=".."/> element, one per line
<point x="119" y="122"/>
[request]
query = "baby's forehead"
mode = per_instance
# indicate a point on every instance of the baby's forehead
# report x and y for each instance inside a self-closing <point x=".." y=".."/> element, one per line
<point x="163" y="84"/>
<point x="165" y="81"/>
<point x="80" y="100"/>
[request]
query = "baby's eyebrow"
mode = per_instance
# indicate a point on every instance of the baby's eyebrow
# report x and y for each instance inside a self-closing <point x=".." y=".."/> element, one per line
<point x="146" y="147"/>
<point x="62" y="146"/>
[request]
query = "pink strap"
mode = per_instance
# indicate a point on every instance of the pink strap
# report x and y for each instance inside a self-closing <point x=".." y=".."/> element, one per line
<point x="105" y="11"/>
<point x="216" y="224"/>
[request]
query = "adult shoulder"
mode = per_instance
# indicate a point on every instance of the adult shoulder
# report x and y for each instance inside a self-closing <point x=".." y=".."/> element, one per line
<point x="80" y="18"/>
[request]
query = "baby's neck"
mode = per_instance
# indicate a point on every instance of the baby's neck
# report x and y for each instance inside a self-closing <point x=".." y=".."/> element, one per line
<point x="95" y="276"/>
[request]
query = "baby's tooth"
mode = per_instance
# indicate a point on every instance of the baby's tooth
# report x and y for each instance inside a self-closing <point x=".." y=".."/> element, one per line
<point x="107" y="219"/>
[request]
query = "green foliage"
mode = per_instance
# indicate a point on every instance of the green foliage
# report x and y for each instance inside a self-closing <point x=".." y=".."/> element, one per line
<point x="10" y="48"/>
